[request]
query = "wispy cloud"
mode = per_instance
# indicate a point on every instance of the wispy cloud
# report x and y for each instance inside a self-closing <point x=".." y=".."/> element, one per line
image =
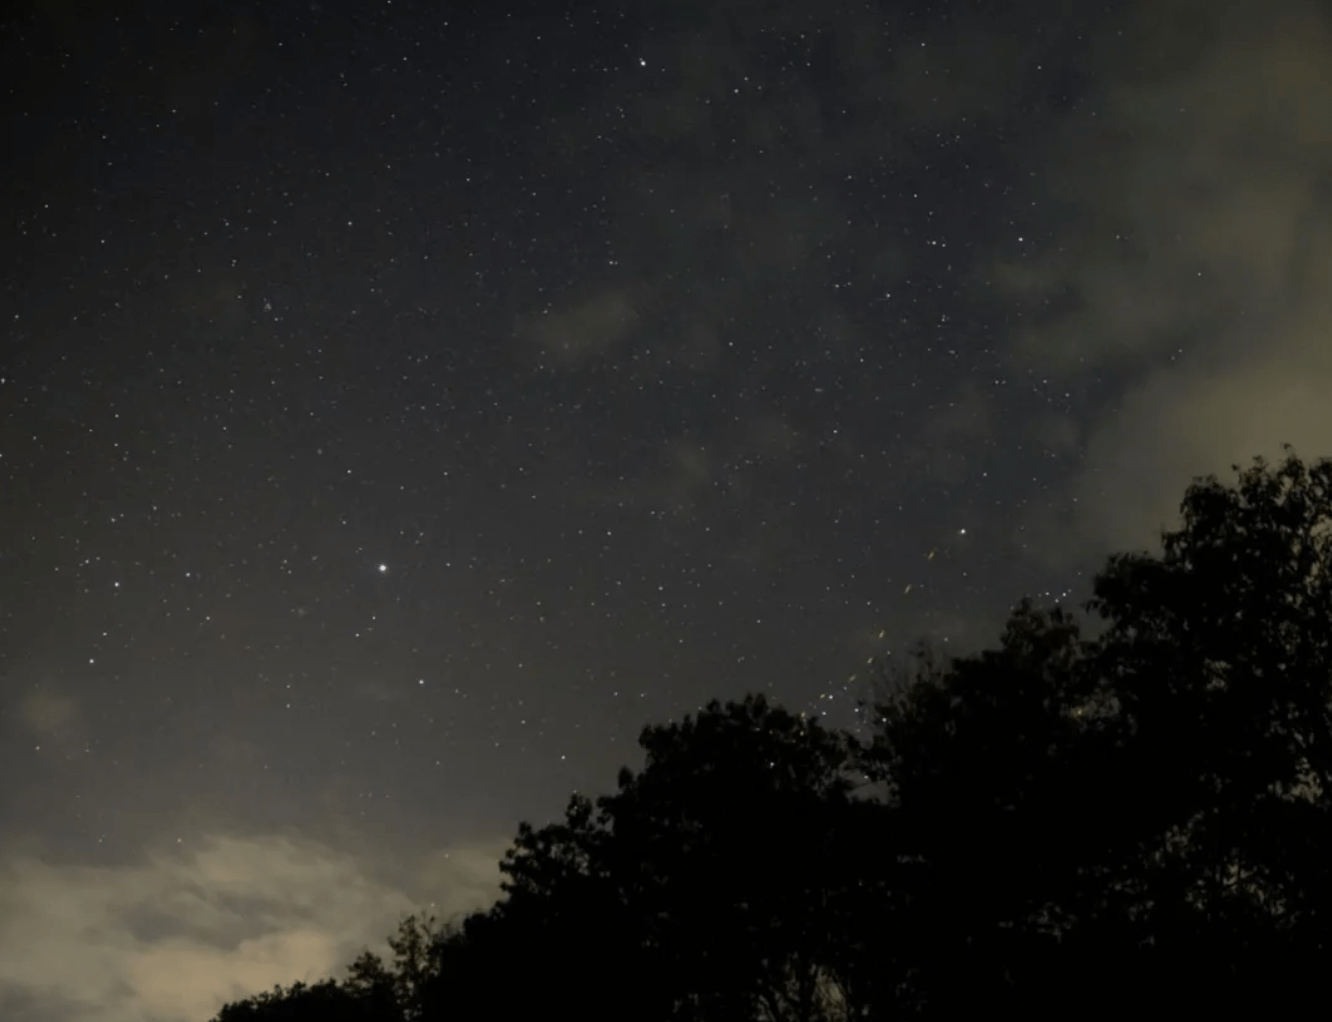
<point x="591" y="326"/>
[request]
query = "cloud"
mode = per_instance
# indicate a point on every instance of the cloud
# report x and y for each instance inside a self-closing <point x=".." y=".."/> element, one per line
<point x="177" y="934"/>
<point x="43" y="711"/>
<point x="36" y="701"/>
<point x="1193" y="272"/>
<point x="470" y="877"/>
<point x="585" y="329"/>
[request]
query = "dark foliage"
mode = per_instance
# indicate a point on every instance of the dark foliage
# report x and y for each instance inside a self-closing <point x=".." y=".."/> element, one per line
<point x="326" y="1001"/>
<point x="1058" y="826"/>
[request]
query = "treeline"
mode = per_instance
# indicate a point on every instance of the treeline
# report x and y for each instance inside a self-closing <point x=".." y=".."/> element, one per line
<point x="1058" y="827"/>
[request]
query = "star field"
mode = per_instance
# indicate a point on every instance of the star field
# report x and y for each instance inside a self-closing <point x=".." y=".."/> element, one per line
<point x="403" y="404"/>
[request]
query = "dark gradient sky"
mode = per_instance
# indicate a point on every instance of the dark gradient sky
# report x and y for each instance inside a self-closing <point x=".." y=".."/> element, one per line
<point x="401" y="405"/>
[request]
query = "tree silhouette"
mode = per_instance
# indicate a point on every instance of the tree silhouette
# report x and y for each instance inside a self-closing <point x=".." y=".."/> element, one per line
<point x="1219" y="655"/>
<point x="986" y="826"/>
<point x="400" y="991"/>
<point x="323" y="1002"/>
<point x="710" y="867"/>
<point x="1140" y="813"/>
<point x="1060" y="825"/>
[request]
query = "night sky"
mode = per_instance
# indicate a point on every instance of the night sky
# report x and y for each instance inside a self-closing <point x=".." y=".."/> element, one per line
<point x="402" y="404"/>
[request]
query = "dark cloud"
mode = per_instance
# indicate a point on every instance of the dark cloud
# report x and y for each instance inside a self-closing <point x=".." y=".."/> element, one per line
<point x="1192" y="264"/>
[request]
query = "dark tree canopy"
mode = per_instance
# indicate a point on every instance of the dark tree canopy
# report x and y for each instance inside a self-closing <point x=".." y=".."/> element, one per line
<point x="1057" y="826"/>
<point x="326" y="1001"/>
